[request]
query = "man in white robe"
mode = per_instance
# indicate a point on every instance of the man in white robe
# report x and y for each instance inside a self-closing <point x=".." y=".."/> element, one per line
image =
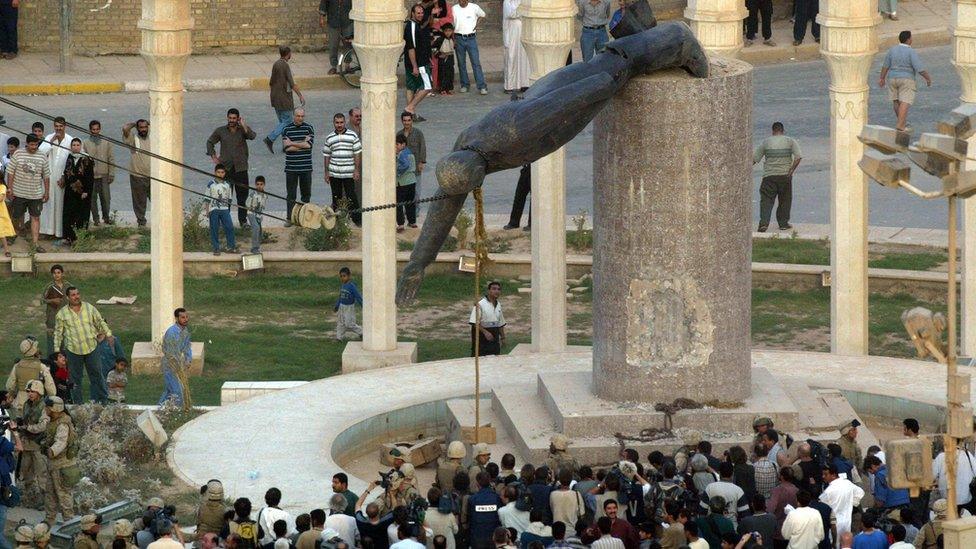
<point x="60" y="143"/>
<point x="516" y="60"/>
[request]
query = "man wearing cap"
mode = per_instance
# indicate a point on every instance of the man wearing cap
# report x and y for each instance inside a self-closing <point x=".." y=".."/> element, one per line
<point x="32" y="465"/>
<point x="559" y="457"/>
<point x="848" y="443"/>
<point x="63" y="473"/>
<point x="29" y="368"/>
<point x="482" y="455"/>
<point x="78" y="328"/>
<point x="928" y="535"/>
<point x="24" y="536"/>
<point x="448" y="468"/>
<point x="90" y="525"/>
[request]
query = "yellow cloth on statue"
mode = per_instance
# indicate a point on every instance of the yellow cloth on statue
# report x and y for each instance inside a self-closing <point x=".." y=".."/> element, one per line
<point x="6" y="227"/>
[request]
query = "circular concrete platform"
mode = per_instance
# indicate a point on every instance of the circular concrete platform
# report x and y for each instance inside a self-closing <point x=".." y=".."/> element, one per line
<point x="295" y="439"/>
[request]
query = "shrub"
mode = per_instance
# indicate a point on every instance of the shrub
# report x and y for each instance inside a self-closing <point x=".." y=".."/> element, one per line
<point x="321" y="239"/>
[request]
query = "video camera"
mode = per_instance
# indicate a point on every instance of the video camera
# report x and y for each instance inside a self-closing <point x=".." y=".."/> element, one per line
<point x="386" y="479"/>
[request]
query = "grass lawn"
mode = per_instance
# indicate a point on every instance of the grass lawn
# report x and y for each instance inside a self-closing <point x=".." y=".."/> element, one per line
<point x="282" y="328"/>
<point x="817" y="252"/>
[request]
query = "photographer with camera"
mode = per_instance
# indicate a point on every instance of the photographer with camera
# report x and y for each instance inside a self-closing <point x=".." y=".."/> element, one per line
<point x="399" y="488"/>
<point x="29" y="368"/>
<point x="31" y="426"/>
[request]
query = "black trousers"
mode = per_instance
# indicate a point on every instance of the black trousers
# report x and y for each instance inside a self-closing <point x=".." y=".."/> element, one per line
<point x="522" y="190"/>
<point x="756" y="9"/>
<point x="240" y="181"/>
<point x="486" y="347"/>
<point x="806" y="12"/>
<point x="445" y="73"/>
<point x="8" y="27"/>
<point x="405" y="193"/>
<point x="345" y="187"/>
<point x="294" y="181"/>
<point x="775" y="188"/>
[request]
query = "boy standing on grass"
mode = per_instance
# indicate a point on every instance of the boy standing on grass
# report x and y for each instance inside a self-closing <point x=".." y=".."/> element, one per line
<point x="256" y="201"/>
<point x="218" y="210"/>
<point x="117" y="380"/>
<point x="345" y="307"/>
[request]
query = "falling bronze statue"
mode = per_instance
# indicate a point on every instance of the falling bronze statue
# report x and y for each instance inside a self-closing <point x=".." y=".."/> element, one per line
<point x="553" y="111"/>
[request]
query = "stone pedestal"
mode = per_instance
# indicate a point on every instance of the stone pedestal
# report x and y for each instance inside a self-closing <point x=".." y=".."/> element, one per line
<point x="717" y="24"/>
<point x="379" y="43"/>
<point x="964" y="59"/>
<point x="672" y="239"/>
<point x="145" y="360"/>
<point x="166" y="26"/>
<point x="848" y="43"/>
<point x="548" y="33"/>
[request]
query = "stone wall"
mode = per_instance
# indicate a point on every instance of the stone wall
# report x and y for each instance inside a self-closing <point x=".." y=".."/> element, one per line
<point x="102" y="27"/>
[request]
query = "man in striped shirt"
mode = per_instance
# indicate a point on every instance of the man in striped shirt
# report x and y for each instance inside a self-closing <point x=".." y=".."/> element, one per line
<point x="78" y="329"/>
<point x="343" y="160"/>
<point x="298" y="138"/>
<point x="782" y="154"/>
<point x="28" y="182"/>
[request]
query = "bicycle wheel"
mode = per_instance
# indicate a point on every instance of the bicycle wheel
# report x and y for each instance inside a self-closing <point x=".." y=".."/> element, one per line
<point x="349" y="69"/>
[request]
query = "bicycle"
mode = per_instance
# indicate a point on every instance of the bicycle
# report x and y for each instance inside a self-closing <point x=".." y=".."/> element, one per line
<point x="349" y="68"/>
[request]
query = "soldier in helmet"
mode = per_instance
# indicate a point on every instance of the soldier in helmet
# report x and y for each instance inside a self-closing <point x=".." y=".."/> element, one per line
<point x="402" y="489"/>
<point x="90" y="525"/>
<point x="61" y="446"/>
<point x="24" y="536"/>
<point x="29" y="368"/>
<point x="448" y="468"/>
<point x="397" y="458"/>
<point x="848" y="443"/>
<point x="123" y="531"/>
<point x="559" y="457"/>
<point x="481" y="455"/>
<point x="210" y="513"/>
<point x="42" y="535"/>
<point x="682" y="456"/>
<point x="32" y="424"/>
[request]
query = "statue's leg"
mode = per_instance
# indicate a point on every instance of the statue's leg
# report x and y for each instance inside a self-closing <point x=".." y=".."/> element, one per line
<point x="667" y="46"/>
<point x="457" y="174"/>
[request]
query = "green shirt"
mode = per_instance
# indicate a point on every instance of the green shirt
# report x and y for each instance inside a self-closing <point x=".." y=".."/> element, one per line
<point x="79" y="331"/>
<point x="780" y="152"/>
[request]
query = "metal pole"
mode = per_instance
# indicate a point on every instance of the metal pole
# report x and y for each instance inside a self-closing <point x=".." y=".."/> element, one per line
<point x="950" y="441"/>
<point x="64" y="54"/>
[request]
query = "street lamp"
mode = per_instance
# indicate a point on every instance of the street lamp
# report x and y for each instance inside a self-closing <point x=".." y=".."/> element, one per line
<point x="940" y="154"/>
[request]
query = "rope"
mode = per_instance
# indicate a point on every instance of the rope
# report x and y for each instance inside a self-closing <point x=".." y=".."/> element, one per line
<point x="652" y="434"/>
<point x="481" y="259"/>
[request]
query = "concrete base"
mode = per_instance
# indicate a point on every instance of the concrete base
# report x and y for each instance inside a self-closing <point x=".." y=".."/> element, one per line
<point x="357" y="359"/>
<point x="960" y="533"/>
<point x="145" y="360"/>
<point x="528" y="348"/>
<point x="237" y="391"/>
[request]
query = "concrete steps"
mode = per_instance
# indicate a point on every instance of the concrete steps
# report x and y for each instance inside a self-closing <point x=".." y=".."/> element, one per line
<point x="841" y="409"/>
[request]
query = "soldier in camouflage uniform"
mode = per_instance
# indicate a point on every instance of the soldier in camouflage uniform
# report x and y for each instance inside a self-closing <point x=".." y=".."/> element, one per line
<point x="90" y="525"/>
<point x="848" y="444"/>
<point x="29" y="368"/>
<point x="42" y="535"/>
<point x="31" y="427"/>
<point x="210" y="513"/>
<point x="123" y="531"/>
<point x="24" y="536"/>
<point x="559" y="457"/>
<point x="61" y="447"/>
<point x="448" y="468"/>
<point x="481" y="455"/>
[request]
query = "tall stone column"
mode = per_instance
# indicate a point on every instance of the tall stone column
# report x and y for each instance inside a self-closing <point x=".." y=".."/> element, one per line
<point x="166" y="26"/>
<point x="379" y="43"/>
<point x="964" y="58"/>
<point x="717" y="24"/>
<point x="548" y="34"/>
<point x="848" y="42"/>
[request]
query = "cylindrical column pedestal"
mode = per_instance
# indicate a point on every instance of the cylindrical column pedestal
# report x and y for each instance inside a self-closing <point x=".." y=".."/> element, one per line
<point x="672" y="216"/>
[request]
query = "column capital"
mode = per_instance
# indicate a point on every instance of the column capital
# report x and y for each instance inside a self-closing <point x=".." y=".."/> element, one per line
<point x="848" y="42"/>
<point x="548" y="33"/>
<point x="717" y="24"/>
<point x="964" y="47"/>
<point x="378" y="38"/>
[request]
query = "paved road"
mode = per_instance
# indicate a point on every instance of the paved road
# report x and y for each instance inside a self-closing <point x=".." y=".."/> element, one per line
<point x="795" y="94"/>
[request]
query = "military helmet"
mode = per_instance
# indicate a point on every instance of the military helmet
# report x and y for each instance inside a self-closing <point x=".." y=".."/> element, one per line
<point x="56" y="404"/>
<point x="42" y="532"/>
<point x="455" y="450"/>
<point x="761" y="421"/>
<point x="24" y="534"/>
<point x="691" y="437"/>
<point x="559" y="441"/>
<point x="28" y="347"/>
<point x="480" y="449"/>
<point x="396" y="453"/>
<point x="408" y="471"/>
<point x="90" y="520"/>
<point x="122" y="528"/>
<point x="36" y="386"/>
<point x="156" y="502"/>
<point x="215" y="491"/>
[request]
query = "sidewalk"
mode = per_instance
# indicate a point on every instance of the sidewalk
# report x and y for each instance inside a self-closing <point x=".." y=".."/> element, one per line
<point x="37" y="74"/>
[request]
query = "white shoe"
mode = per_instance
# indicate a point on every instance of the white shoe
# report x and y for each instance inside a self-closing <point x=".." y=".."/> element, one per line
<point x="483" y="91"/>
<point x="463" y="89"/>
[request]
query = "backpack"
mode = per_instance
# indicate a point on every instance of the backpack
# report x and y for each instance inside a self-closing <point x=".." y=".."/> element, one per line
<point x="818" y="453"/>
<point x="523" y="501"/>
<point x="248" y="530"/>
<point x="657" y="498"/>
<point x="448" y="504"/>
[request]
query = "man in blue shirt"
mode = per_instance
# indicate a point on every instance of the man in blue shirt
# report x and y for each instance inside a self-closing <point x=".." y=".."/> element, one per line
<point x="900" y="65"/>
<point x="884" y="496"/>
<point x="177" y="355"/>
<point x="345" y="307"/>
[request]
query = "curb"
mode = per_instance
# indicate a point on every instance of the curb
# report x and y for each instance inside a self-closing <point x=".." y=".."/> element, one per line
<point x="809" y="51"/>
<point x="62" y="89"/>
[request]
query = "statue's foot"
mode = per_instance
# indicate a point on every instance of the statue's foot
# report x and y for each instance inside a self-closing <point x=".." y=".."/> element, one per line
<point x="409" y="284"/>
<point x="696" y="62"/>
